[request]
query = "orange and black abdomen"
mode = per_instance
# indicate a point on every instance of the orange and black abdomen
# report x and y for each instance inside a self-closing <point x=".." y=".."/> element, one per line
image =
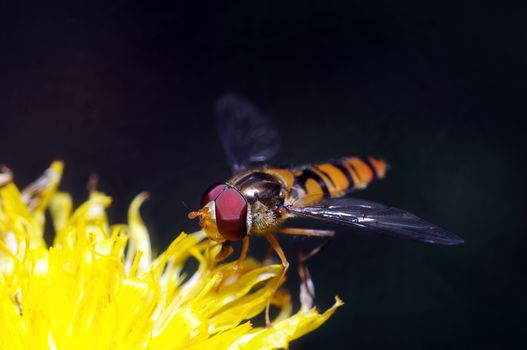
<point x="310" y="184"/>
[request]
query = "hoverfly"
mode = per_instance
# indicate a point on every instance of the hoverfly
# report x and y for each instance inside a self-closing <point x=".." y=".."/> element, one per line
<point x="260" y="198"/>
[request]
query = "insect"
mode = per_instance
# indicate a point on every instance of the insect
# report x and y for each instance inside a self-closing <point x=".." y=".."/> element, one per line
<point x="259" y="198"/>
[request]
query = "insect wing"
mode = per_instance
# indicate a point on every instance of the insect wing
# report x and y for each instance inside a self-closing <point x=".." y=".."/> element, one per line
<point x="245" y="132"/>
<point x="375" y="217"/>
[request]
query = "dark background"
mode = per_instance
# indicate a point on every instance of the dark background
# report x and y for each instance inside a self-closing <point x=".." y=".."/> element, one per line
<point x="437" y="89"/>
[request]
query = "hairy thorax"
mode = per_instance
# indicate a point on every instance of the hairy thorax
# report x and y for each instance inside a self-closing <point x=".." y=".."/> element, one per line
<point x="265" y="195"/>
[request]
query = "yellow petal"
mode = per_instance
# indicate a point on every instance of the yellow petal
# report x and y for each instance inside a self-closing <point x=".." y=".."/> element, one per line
<point x="139" y="238"/>
<point x="60" y="207"/>
<point x="281" y="333"/>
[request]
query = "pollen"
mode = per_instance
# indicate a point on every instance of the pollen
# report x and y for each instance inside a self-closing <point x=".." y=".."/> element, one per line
<point x="99" y="285"/>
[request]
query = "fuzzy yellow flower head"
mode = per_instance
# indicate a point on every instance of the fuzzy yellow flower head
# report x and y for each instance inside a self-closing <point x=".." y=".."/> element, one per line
<point x="98" y="286"/>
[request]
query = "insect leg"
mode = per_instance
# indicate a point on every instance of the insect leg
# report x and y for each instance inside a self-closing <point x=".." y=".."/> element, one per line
<point x="243" y="254"/>
<point x="268" y="254"/>
<point x="225" y="251"/>
<point x="307" y="288"/>
<point x="328" y="234"/>
<point x="276" y="246"/>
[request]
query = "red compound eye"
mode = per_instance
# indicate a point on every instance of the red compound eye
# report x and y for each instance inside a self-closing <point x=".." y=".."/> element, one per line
<point x="231" y="214"/>
<point x="212" y="193"/>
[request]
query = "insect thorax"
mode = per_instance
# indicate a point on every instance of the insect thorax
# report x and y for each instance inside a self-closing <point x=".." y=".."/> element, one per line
<point x="265" y="195"/>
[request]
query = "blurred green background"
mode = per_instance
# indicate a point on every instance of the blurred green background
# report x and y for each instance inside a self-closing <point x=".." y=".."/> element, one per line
<point x="125" y="89"/>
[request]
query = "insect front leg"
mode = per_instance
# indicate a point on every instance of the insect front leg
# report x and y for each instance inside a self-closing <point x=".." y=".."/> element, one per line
<point x="225" y="251"/>
<point x="243" y="253"/>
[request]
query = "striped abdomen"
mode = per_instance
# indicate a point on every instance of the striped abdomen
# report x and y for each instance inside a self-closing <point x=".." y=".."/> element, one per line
<point x="313" y="183"/>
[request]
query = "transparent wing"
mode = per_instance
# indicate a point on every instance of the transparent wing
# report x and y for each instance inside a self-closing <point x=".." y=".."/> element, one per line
<point x="245" y="132"/>
<point x="376" y="217"/>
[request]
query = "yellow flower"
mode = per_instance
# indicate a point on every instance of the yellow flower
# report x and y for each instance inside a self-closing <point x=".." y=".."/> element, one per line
<point x="98" y="286"/>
